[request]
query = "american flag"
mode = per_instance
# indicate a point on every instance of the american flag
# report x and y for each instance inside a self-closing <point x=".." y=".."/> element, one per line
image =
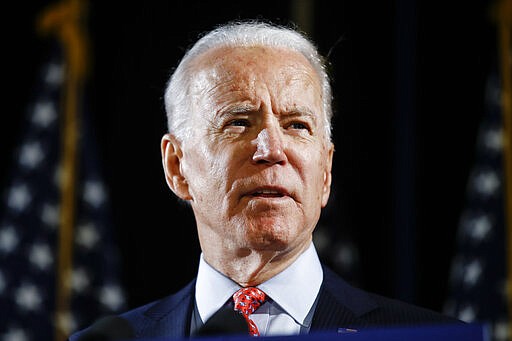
<point x="478" y="277"/>
<point x="29" y="226"/>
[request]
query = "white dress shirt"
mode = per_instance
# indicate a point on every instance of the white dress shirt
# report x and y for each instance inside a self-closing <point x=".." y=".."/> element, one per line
<point x="291" y="295"/>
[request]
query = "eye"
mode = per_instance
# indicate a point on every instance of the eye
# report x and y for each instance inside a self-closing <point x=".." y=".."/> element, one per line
<point x="238" y="123"/>
<point x="298" y="126"/>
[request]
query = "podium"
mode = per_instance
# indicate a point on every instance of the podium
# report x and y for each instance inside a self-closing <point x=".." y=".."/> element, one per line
<point x="458" y="332"/>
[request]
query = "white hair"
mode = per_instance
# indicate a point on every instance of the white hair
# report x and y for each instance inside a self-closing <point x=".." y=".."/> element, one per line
<point x="246" y="33"/>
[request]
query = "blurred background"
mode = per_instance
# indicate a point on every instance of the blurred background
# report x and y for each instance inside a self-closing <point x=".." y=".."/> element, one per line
<point x="411" y="84"/>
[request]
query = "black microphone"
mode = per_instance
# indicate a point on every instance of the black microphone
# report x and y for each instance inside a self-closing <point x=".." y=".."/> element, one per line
<point x="225" y="321"/>
<point x="109" y="328"/>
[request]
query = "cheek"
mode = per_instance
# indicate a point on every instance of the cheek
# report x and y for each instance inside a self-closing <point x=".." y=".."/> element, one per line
<point x="208" y="162"/>
<point x="215" y="169"/>
<point x="314" y="176"/>
<point x="311" y="166"/>
<point x="199" y="170"/>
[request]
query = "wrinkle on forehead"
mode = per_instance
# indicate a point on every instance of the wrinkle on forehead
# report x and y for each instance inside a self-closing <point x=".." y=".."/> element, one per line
<point x="258" y="78"/>
<point x="220" y="67"/>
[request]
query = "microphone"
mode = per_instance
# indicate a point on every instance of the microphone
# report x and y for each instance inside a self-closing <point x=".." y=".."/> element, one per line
<point x="109" y="328"/>
<point x="225" y="321"/>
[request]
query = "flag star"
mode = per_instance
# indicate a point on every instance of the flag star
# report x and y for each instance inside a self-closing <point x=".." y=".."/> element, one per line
<point x="44" y="114"/>
<point x="111" y="296"/>
<point x="19" y="197"/>
<point x="345" y="256"/>
<point x="8" y="239"/>
<point x="31" y="155"/>
<point x="54" y="74"/>
<point x="480" y="227"/>
<point x="15" y="334"/>
<point x="467" y="314"/>
<point x="41" y="256"/>
<point x="28" y="297"/>
<point x="87" y="236"/>
<point x="50" y="215"/>
<point x="486" y="183"/>
<point x="94" y="193"/>
<point x="472" y="273"/>
<point x="80" y="280"/>
<point x="501" y="331"/>
<point x="493" y="140"/>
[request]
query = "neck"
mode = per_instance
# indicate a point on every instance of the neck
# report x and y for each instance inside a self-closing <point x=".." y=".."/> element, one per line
<point x="249" y="267"/>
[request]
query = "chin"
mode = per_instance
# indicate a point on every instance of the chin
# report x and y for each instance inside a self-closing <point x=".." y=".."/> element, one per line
<point x="271" y="237"/>
<point x="269" y="245"/>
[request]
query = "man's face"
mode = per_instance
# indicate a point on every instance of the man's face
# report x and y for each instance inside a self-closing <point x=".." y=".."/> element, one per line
<point x="258" y="163"/>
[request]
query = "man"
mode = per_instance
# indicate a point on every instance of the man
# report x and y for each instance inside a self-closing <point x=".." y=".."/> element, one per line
<point x="249" y="148"/>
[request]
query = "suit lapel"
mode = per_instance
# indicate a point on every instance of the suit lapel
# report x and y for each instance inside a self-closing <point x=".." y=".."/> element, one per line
<point x="171" y="316"/>
<point x="340" y="305"/>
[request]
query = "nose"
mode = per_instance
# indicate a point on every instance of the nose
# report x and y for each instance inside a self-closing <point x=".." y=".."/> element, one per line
<point x="269" y="147"/>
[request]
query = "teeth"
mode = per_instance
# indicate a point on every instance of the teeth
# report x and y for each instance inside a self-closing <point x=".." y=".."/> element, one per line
<point x="265" y="191"/>
<point x="268" y="192"/>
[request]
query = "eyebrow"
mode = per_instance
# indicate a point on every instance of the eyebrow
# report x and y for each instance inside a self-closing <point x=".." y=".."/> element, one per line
<point x="247" y="108"/>
<point x="236" y="109"/>
<point x="301" y="111"/>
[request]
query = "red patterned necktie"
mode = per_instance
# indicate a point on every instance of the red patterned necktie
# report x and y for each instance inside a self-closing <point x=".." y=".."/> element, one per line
<point x="247" y="300"/>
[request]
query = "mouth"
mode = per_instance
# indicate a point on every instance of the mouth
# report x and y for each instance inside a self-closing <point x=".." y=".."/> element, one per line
<point x="268" y="192"/>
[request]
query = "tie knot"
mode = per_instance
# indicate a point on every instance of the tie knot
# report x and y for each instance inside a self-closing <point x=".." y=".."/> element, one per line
<point x="247" y="300"/>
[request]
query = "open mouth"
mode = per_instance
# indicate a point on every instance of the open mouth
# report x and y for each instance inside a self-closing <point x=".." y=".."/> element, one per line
<point x="269" y="193"/>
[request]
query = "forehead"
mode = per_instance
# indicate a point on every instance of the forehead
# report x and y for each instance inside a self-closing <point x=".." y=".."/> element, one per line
<point x="245" y="66"/>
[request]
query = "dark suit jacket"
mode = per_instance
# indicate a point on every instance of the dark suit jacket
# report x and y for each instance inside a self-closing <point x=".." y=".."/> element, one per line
<point x="339" y="306"/>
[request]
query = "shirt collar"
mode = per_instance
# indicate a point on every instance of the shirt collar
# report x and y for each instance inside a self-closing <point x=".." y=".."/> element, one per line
<point x="213" y="289"/>
<point x="302" y="278"/>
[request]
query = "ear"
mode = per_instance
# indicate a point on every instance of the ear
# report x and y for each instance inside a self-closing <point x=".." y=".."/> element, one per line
<point x="171" y="160"/>
<point x="326" y="191"/>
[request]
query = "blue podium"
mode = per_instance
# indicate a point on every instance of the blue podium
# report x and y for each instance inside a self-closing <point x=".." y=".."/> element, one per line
<point x="458" y="332"/>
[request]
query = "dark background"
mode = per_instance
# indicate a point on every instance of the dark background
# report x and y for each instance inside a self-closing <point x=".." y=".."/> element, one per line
<point x="408" y="79"/>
